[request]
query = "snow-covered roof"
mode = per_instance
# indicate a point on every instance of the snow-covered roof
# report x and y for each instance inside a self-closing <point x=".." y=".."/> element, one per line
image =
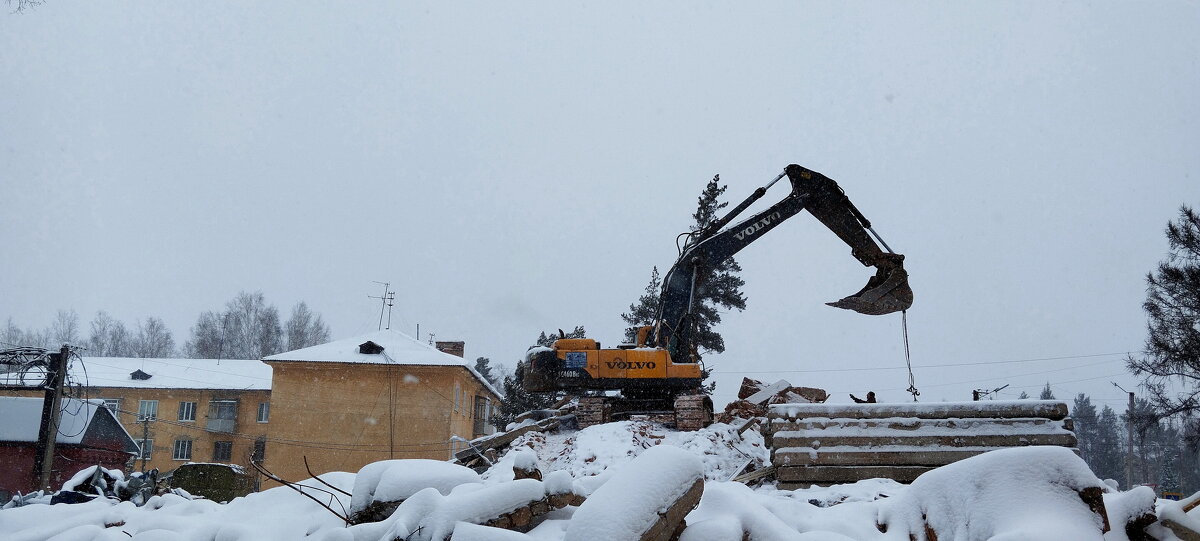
<point x="398" y="348"/>
<point x="236" y="374"/>
<point x="22" y="418"/>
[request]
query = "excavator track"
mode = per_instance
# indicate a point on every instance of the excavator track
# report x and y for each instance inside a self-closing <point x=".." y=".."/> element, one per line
<point x="592" y="410"/>
<point x="688" y="411"/>
<point x="693" y="411"/>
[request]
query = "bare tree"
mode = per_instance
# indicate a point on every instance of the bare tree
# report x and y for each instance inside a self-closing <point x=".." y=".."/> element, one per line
<point x="304" y="328"/>
<point x="65" y="329"/>
<point x="11" y="335"/>
<point x="154" y="339"/>
<point x="110" y="338"/>
<point x="207" y="337"/>
<point x="22" y="5"/>
<point x="120" y="341"/>
<point x="98" y="340"/>
<point x="249" y="328"/>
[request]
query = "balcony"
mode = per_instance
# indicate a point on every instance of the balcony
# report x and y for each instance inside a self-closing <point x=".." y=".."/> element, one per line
<point x="222" y="416"/>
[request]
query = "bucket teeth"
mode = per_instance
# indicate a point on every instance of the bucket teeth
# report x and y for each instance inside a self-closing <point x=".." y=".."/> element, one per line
<point x="886" y="292"/>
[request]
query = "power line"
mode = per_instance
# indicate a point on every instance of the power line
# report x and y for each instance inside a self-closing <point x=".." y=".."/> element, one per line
<point x="946" y="365"/>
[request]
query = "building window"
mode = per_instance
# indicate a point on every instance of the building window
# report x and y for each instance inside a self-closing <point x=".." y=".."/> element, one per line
<point x="187" y="411"/>
<point x="183" y="450"/>
<point x="222" y="451"/>
<point x="457" y="391"/>
<point x="264" y="411"/>
<point x="481" y="416"/>
<point x="147" y="447"/>
<point x="147" y="410"/>
<point x="113" y="405"/>
<point x="260" y="450"/>
<point x="222" y="415"/>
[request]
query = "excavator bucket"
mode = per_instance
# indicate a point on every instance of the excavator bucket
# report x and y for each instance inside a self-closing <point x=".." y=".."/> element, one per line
<point x="886" y="292"/>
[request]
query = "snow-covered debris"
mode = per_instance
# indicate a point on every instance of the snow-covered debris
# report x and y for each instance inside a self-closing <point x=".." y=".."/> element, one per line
<point x="1029" y="493"/>
<point x="589" y="452"/>
<point x="430" y="516"/>
<point x="396" y="480"/>
<point x="633" y="473"/>
<point x="732" y="512"/>
<point x="465" y="531"/>
<point x="1180" y="518"/>
<point x="558" y="482"/>
<point x="278" y="514"/>
<point x="86" y="480"/>
<point x="635" y="498"/>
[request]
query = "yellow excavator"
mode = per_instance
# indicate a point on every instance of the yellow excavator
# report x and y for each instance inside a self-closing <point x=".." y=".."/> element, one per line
<point x="660" y="373"/>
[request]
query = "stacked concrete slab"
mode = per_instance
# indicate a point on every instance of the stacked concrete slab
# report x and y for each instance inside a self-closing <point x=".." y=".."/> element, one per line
<point x="823" y="444"/>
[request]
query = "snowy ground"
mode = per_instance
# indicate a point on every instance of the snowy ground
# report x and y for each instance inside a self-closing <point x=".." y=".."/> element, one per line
<point x="1019" y="494"/>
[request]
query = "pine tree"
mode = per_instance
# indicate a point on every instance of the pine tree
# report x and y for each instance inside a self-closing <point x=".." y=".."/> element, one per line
<point x="1023" y="396"/>
<point x="643" y="312"/>
<point x="1109" y="458"/>
<point x="1083" y="414"/>
<point x="547" y="340"/>
<point x="718" y="286"/>
<point x="484" y="367"/>
<point x="1047" y="394"/>
<point x="517" y="400"/>
<point x="1172" y="354"/>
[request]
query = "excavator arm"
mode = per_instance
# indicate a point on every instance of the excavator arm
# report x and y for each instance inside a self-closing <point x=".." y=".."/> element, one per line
<point x="886" y="292"/>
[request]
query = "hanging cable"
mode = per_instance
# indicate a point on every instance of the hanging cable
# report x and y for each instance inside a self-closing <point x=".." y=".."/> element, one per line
<point x="912" y="382"/>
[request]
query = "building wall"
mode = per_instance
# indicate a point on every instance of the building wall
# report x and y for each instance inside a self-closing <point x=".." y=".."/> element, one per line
<point x="166" y="428"/>
<point x="342" y="416"/>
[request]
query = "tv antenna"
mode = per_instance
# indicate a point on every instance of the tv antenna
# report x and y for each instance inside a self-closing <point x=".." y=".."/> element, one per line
<point x="387" y="301"/>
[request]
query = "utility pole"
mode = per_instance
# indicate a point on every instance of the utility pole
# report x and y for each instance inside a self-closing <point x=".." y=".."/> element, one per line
<point x="51" y="412"/>
<point x="1129" y="427"/>
<point x="145" y="437"/>
<point x="1129" y="457"/>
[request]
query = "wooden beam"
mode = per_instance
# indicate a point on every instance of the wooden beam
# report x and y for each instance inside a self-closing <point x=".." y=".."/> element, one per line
<point x="1047" y="409"/>
<point x="880" y="456"/>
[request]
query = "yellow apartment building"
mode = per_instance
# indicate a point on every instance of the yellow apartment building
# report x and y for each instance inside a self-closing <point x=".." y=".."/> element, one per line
<point x="182" y="410"/>
<point x="381" y="395"/>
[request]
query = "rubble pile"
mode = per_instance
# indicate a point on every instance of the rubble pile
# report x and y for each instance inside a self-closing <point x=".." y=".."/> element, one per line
<point x="754" y="396"/>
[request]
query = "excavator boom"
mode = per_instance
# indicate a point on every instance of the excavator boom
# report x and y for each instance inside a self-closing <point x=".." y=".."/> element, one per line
<point x="886" y="292"/>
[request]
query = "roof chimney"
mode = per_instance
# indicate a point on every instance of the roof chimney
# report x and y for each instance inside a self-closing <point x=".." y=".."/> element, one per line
<point x="370" y="348"/>
<point x="453" y="348"/>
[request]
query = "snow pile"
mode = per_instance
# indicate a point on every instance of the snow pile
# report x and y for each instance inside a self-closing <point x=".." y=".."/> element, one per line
<point x="637" y="493"/>
<point x="1025" y="493"/>
<point x="278" y="514"/>
<point x="631" y="472"/>
<point x="430" y="516"/>
<point x="733" y="512"/>
<point x="395" y="480"/>
<point x="591" y="451"/>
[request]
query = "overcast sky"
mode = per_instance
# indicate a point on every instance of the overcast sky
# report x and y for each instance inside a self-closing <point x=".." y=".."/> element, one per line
<point x="520" y="166"/>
